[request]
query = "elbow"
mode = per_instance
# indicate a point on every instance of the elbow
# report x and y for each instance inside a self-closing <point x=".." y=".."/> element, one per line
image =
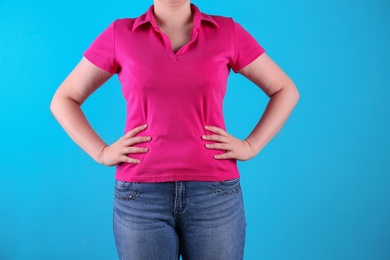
<point x="296" y="95"/>
<point x="289" y="92"/>
<point x="57" y="104"/>
<point x="53" y="105"/>
<point x="292" y="92"/>
<point x="61" y="104"/>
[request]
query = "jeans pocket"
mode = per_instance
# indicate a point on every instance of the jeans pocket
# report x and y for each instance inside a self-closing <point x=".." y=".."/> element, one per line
<point x="230" y="182"/>
<point x="226" y="187"/>
<point x="124" y="191"/>
<point x="122" y="185"/>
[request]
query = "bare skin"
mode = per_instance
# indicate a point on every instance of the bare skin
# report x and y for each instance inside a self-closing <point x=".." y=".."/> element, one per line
<point x="283" y="94"/>
<point x="76" y="88"/>
<point x="174" y="18"/>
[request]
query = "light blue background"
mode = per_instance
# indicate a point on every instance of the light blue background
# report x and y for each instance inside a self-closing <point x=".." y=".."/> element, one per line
<point x="319" y="190"/>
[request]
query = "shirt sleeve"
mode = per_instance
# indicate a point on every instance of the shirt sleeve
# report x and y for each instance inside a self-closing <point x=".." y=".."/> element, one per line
<point x="101" y="52"/>
<point x="246" y="48"/>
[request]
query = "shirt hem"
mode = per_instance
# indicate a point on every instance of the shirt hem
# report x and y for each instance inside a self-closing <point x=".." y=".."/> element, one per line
<point x="170" y="178"/>
<point x="249" y="59"/>
<point x="97" y="63"/>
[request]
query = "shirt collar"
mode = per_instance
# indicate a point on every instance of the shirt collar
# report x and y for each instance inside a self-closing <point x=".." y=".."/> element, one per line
<point x="149" y="17"/>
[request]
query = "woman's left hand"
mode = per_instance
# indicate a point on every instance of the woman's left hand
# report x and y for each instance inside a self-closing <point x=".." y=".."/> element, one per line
<point x="234" y="148"/>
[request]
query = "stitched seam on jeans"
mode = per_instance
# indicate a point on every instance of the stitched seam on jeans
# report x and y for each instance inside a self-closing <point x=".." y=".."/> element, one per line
<point x="225" y="191"/>
<point x="131" y="196"/>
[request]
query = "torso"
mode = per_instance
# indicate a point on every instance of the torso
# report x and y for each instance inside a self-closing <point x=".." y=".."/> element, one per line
<point x="175" y="81"/>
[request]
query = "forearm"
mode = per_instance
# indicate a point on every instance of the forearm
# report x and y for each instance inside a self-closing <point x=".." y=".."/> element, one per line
<point x="72" y="119"/>
<point x="275" y="115"/>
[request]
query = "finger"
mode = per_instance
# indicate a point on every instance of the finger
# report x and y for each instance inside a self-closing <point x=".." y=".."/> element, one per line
<point x="135" y="150"/>
<point x="217" y="138"/>
<point x="216" y="130"/>
<point x="223" y="156"/>
<point x="218" y="146"/>
<point x="135" y="131"/>
<point x="128" y="159"/>
<point x="136" y="140"/>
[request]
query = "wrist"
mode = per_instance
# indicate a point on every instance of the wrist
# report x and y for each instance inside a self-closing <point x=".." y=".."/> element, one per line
<point x="100" y="154"/>
<point x="252" y="146"/>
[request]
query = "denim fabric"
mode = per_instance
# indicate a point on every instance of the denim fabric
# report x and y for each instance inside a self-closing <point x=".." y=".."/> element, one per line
<point x="197" y="220"/>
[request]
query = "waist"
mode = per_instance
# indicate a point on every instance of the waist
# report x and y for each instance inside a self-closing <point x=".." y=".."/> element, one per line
<point x="173" y="159"/>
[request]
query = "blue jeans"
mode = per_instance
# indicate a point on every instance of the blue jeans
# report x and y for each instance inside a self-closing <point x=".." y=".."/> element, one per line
<point x="197" y="220"/>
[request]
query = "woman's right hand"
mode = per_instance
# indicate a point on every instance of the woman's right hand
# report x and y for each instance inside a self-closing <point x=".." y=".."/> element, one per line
<point x="118" y="151"/>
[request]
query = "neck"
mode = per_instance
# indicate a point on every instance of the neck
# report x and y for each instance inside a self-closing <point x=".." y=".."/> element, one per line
<point x="172" y="13"/>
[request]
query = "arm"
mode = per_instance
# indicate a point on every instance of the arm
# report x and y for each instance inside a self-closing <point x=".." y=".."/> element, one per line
<point x="267" y="75"/>
<point x="66" y="107"/>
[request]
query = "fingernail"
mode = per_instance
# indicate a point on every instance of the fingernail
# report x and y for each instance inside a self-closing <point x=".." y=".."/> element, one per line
<point x="148" y="138"/>
<point x="137" y="161"/>
<point x="204" y="137"/>
<point x="145" y="125"/>
<point x="207" y="127"/>
<point x="207" y="145"/>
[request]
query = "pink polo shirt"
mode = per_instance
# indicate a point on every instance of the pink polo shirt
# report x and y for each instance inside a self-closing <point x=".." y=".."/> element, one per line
<point x="176" y="94"/>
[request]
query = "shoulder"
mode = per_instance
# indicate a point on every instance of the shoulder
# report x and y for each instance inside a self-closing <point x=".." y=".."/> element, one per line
<point x="223" y="21"/>
<point x="227" y="24"/>
<point x="121" y="23"/>
<point x="230" y="25"/>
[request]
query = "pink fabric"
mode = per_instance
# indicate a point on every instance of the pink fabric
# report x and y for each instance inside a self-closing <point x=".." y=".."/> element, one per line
<point x="176" y="94"/>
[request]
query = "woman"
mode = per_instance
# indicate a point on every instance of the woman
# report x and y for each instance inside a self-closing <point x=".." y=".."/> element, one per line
<point x="177" y="187"/>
